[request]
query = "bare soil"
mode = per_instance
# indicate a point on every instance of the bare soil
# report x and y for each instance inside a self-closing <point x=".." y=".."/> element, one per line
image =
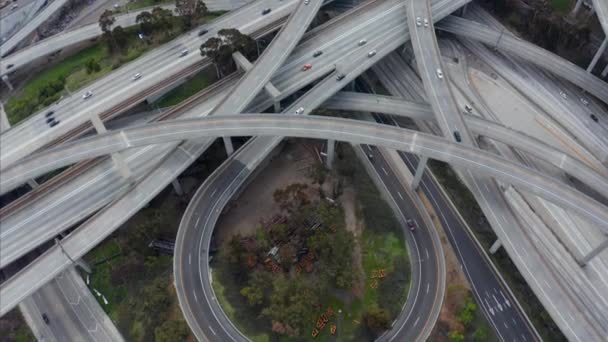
<point x="256" y="201"/>
<point x="355" y="226"/>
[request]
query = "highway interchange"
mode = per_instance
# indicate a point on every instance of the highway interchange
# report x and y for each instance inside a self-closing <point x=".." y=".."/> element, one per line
<point x="155" y="156"/>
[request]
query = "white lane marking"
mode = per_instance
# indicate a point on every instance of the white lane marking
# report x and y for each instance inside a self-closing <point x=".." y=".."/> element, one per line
<point x="497" y="303"/>
<point x="416" y="321"/>
<point x="547" y="283"/>
<point x="506" y="326"/>
<point x="505" y="298"/>
<point x="213" y="193"/>
<point x="524" y="337"/>
<point x="400" y="196"/>
<point x="383" y="169"/>
<point x="428" y="287"/>
<point x="571" y="317"/>
<point x="195" y="297"/>
<point x="190" y="259"/>
<point x="514" y="321"/>
<point x="196" y="223"/>
<point x="212" y="331"/>
<point x="427" y="253"/>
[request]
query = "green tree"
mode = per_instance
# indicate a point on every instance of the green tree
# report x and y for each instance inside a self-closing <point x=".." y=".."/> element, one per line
<point x="258" y="287"/>
<point x="190" y="10"/>
<point x="481" y="334"/>
<point x="146" y="22"/>
<point x="170" y="331"/>
<point x="456" y="336"/>
<point x="220" y="49"/>
<point x="155" y="295"/>
<point x="377" y="320"/>
<point x="120" y="38"/>
<point x="467" y="313"/>
<point x="106" y="20"/>
<point x="92" y="66"/>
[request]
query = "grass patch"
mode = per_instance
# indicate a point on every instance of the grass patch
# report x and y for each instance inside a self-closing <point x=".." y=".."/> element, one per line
<point x="185" y="90"/>
<point x="561" y="6"/>
<point x="138" y="4"/>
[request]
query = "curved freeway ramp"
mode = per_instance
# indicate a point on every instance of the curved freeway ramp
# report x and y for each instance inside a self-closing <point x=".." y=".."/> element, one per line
<point x="346" y="130"/>
<point x="193" y="275"/>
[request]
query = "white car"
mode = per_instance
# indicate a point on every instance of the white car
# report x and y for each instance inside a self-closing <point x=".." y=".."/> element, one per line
<point x="136" y="77"/>
<point x="300" y="110"/>
<point x="362" y="42"/>
<point x="418" y="21"/>
<point x="371" y="53"/>
<point x="584" y="102"/>
<point x="439" y="73"/>
<point x="87" y="95"/>
<point x="183" y="53"/>
<point x="563" y="95"/>
<point x="306" y="2"/>
<point x="426" y="22"/>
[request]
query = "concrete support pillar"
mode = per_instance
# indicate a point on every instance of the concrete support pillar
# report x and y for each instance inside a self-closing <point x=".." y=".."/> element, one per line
<point x="577" y="7"/>
<point x="605" y="71"/>
<point x="495" y="246"/>
<point x="116" y="157"/>
<point x="592" y="11"/>
<point x="277" y="106"/>
<point x="598" y="54"/>
<point x="244" y="64"/>
<point x="84" y="265"/>
<point x="4" y="123"/>
<point x="228" y="145"/>
<point x="32" y="183"/>
<point x="594" y="252"/>
<point x="419" y="172"/>
<point x="331" y="147"/>
<point x="177" y="187"/>
<point x="7" y="82"/>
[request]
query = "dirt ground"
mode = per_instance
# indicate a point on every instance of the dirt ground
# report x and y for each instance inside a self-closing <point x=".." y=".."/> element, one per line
<point x="456" y="283"/>
<point x="349" y="203"/>
<point x="256" y="202"/>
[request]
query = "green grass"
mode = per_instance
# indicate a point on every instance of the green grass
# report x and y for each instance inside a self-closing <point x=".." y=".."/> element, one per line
<point x="561" y="6"/>
<point x="137" y="4"/>
<point x="101" y="280"/>
<point x="184" y="91"/>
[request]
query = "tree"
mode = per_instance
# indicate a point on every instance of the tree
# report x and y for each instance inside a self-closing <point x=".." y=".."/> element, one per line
<point x="467" y="314"/>
<point x="456" y="336"/>
<point x="190" y="10"/>
<point x="258" y="287"/>
<point x="121" y="38"/>
<point x="377" y="320"/>
<point x="146" y="22"/>
<point x="162" y="18"/>
<point x="106" y="20"/>
<point x="91" y="66"/>
<point x="220" y="49"/>
<point x="481" y="334"/>
<point x="169" y="331"/>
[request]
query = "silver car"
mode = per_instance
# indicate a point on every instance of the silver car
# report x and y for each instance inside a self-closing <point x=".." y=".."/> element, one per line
<point x="439" y="73"/>
<point x="300" y="110"/>
<point x="426" y="22"/>
<point x="418" y="21"/>
<point x="371" y="53"/>
<point x="362" y="42"/>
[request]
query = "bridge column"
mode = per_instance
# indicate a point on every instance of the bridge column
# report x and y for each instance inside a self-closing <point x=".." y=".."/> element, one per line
<point x="577" y="7"/>
<point x="228" y="145"/>
<point x="244" y="64"/>
<point x="177" y="187"/>
<point x="419" y="172"/>
<point x="7" y="82"/>
<point x="605" y="72"/>
<point x="4" y="123"/>
<point x="116" y="157"/>
<point x="495" y="246"/>
<point x="331" y="147"/>
<point x="80" y="262"/>
<point x="598" y="54"/>
<point x="33" y="184"/>
<point x="594" y="252"/>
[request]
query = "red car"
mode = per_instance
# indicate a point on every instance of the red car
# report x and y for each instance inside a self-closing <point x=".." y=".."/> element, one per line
<point x="306" y="67"/>
<point x="411" y="224"/>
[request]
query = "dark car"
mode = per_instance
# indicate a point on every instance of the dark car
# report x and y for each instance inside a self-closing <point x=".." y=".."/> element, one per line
<point x="340" y="77"/>
<point x="457" y="136"/>
<point x="10" y="66"/>
<point x="49" y="120"/>
<point x="411" y="224"/>
<point x="202" y="32"/>
<point x="49" y="113"/>
<point x="317" y="53"/>
<point x="266" y="11"/>
<point x="593" y="117"/>
<point x="46" y="319"/>
<point x="54" y="123"/>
